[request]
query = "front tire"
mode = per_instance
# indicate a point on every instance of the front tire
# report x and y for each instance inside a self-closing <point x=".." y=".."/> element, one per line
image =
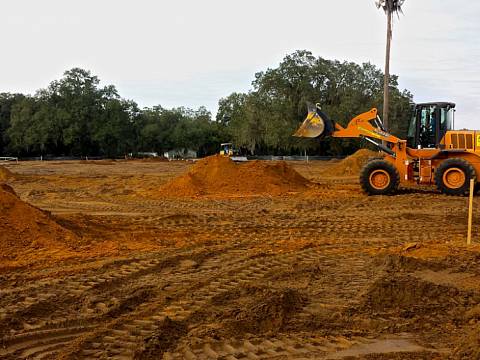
<point x="379" y="177"/>
<point x="453" y="177"/>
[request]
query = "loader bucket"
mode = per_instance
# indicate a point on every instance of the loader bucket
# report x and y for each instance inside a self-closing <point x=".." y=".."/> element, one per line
<point x="315" y="124"/>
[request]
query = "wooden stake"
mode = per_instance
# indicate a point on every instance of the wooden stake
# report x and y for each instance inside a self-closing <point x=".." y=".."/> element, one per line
<point x="470" y="212"/>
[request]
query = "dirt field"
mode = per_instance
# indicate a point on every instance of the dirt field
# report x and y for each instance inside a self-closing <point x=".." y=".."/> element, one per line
<point x="321" y="273"/>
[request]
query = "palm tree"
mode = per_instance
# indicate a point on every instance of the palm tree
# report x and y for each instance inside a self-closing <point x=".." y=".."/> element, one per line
<point x="390" y="7"/>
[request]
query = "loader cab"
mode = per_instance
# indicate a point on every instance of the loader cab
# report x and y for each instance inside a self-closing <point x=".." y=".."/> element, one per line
<point x="429" y="124"/>
<point x="226" y="149"/>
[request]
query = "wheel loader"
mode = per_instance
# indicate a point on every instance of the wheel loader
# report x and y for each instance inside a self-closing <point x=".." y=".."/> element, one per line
<point x="226" y="149"/>
<point x="433" y="154"/>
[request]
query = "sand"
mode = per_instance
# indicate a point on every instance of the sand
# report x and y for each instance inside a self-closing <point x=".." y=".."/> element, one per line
<point x="5" y="174"/>
<point x="351" y="165"/>
<point x="218" y="175"/>
<point x="25" y="228"/>
<point x="325" y="273"/>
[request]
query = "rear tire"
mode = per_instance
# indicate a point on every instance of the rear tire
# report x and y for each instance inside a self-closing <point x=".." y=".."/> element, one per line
<point x="379" y="177"/>
<point x="453" y="177"/>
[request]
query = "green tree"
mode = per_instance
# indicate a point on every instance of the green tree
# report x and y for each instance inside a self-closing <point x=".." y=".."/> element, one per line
<point x="22" y="135"/>
<point x="115" y="131"/>
<point x="264" y="119"/>
<point x="7" y="101"/>
<point x="75" y="116"/>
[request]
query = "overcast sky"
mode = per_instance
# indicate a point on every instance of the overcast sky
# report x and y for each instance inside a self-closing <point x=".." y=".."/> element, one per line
<point x="192" y="52"/>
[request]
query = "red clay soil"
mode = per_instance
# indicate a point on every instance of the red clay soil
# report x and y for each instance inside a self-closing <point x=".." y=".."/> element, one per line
<point x="219" y="175"/>
<point x="352" y="164"/>
<point x="26" y="229"/>
<point x="5" y="174"/>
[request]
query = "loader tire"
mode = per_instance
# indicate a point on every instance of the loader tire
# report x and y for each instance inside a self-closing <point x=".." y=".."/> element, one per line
<point x="453" y="177"/>
<point x="379" y="177"/>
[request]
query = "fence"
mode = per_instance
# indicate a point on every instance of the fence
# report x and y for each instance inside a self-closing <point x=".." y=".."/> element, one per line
<point x="8" y="158"/>
<point x="293" y="158"/>
<point x="249" y="157"/>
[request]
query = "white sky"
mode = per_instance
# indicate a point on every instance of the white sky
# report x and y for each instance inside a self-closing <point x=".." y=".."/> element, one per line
<point x="192" y="53"/>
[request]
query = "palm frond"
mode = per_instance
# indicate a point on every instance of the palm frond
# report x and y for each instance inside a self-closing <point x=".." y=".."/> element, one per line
<point x="390" y="6"/>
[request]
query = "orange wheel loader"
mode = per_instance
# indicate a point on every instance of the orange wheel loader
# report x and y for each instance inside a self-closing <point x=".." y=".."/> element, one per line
<point x="433" y="154"/>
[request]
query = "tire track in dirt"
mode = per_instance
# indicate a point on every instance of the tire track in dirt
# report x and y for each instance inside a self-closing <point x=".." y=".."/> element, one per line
<point x="124" y="338"/>
<point x="304" y="347"/>
<point x="75" y="286"/>
<point x="341" y="286"/>
<point x="55" y="304"/>
<point x="39" y="341"/>
<point x="35" y="344"/>
<point x="281" y="347"/>
<point x="108" y="274"/>
<point x="346" y="280"/>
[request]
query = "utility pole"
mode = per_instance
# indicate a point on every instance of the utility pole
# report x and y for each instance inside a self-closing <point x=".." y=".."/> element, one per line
<point x="390" y="7"/>
<point x="386" y="81"/>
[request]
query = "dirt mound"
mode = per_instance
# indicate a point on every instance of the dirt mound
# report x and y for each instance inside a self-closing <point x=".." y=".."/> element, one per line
<point x="24" y="227"/>
<point x="352" y="164"/>
<point x="256" y="309"/>
<point x="397" y="263"/>
<point x="6" y="188"/>
<point x="269" y="312"/>
<point x="218" y="175"/>
<point x="5" y="174"/>
<point x="405" y="295"/>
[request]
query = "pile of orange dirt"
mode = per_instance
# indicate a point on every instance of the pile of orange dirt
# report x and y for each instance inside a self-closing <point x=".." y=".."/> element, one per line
<point x="5" y="174"/>
<point x="219" y="175"/>
<point x="26" y="230"/>
<point x="352" y="164"/>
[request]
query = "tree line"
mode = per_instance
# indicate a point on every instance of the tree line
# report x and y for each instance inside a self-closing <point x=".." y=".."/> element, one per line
<point x="75" y="116"/>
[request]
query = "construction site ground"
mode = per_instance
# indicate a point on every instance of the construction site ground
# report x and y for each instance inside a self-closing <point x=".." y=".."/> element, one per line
<point x="325" y="273"/>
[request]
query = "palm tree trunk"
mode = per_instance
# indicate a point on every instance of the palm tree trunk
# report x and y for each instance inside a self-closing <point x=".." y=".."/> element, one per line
<point x="386" y="93"/>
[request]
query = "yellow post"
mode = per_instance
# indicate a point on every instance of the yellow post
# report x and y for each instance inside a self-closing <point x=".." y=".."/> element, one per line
<point x="470" y="212"/>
